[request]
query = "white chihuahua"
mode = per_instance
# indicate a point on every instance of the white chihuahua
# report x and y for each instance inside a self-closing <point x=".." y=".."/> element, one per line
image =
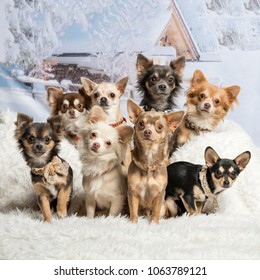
<point x="101" y="151"/>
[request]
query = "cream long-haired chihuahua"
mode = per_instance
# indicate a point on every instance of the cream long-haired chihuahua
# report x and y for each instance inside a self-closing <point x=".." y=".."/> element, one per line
<point x="101" y="149"/>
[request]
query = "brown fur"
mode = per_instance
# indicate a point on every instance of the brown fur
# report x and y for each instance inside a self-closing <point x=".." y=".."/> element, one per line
<point x="147" y="175"/>
<point x="207" y="105"/>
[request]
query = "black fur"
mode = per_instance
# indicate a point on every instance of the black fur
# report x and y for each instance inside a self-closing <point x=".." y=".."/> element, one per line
<point x="183" y="176"/>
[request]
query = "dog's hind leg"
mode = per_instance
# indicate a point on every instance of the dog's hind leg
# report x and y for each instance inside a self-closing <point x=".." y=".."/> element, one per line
<point x="189" y="203"/>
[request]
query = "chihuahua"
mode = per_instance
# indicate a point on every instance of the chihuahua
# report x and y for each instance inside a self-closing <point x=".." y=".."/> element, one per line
<point x="107" y="96"/>
<point x="207" y="105"/>
<point x="52" y="177"/>
<point x="193" y="185"/>
<point x="101" y="152"/>
<point x="73" y="108"/>
<point x="147" y="175"/>
<point x="159" y="84"/>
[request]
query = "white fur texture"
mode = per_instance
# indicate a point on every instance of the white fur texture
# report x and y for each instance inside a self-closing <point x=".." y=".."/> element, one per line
<point x="231" y="233"/>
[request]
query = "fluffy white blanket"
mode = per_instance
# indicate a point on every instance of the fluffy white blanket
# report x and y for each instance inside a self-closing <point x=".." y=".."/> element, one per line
<point x="231" y="233"/>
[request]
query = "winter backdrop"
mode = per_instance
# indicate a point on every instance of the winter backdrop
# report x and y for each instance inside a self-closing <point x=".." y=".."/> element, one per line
<point x="115" y="30"/>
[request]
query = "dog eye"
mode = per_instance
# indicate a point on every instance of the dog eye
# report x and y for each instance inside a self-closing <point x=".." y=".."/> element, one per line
<point x="171" y="79"/>
<point x="141" y="124"/>
<point x="153" y="79"/>
<point x="109" y="143"/>
<point x="80" y="106"/>
<point x="218" y="173"/>
<point x="96" y="94"/>
<point x="112" y="95"/>
<point x="217" y="101"/>
<point x="31" y="138"/>
<point x="47" y="140"/>
<point x="233" y="173"/>
<point x="93" y="135"/>
<point x="202" y="96"/>
<point x="64" y="107"/>
<point x="160" y="126"/>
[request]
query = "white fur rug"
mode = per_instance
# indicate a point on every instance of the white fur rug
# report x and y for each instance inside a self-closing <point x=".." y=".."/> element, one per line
<point x="231" y="233"/>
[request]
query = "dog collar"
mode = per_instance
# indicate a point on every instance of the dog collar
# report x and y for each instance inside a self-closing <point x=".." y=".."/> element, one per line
<point x="197" y="129"/>
<point x="118" y="123"/>
<point x="151" y="167"/>
<point x="149" y="108"/>
<point x="211" y="203"/>
<point x="54" y="172"/>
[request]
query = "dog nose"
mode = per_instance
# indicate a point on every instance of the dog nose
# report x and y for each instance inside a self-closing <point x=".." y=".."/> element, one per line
<point x="39" y="147"/>
<point x="147" y="133"/>
<point x="226" y="182"/>
<point x="162" y="87"/>
<point x="103" y="101"/>
<point x="207" y="106"/>
<point x="72" y="112"/>
<point x="96" y="146"/>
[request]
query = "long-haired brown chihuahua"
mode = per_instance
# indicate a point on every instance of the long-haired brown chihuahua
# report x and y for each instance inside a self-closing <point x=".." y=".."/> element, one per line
<point x="52" y="177"/>
<point x="147" y="175"/>
<point x="207" y="105"/>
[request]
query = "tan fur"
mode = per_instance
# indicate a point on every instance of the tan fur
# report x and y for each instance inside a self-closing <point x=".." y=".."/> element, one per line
<point x="207" y="105"/>
<point x="147" y="176"/>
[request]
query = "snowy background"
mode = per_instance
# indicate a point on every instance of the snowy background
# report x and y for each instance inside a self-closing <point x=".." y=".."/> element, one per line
<point x="115" y="31"/>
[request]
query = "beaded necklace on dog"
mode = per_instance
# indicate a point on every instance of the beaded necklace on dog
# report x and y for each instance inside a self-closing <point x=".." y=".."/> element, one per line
<point x="118" y="123"/>
<point x="147" y="167"/>
<point x="211" y="203"/>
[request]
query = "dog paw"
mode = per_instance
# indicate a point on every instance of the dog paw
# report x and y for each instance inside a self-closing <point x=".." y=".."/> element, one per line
<point x="61" y="214"/>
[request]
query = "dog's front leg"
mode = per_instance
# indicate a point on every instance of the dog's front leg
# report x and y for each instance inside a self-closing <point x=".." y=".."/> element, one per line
<point x="90" y="205"/>
<point x="116" y="205"/>
<point x="44" y="204"/>
<point x="133" y="202"/>
<point x="157" y="204"/>
<point x="62" y="203"/>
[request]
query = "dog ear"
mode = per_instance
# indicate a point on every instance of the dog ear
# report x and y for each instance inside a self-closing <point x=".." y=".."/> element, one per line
<point x="133" y="110"/>
<point x="232" y="93"/>
<point x="56" y="125"/>
<point x="125" y="133"/>
<point x="178" y="66"/>
<point x="87" y="98"/>
<point x="88" y="85"/>
<point x="53" y="95"/>
<point x="211" y="156"/>
<point x="174" y="119"/>
<point x="121" y="85"/>
<point x="242" y="160"/>
<point x="22" y="121"/>
<point x="143" y="64"/>
<point x="96" y="114"/>
<point x="198" y="78"/>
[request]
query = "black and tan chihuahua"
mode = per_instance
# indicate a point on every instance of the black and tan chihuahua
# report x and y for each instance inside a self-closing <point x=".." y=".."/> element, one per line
<point x="186" y="189"/>
<point x="52" y="177"/>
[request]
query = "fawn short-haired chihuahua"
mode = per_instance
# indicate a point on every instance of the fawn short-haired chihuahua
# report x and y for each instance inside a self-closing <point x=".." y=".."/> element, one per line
<point x="147" y="174"/>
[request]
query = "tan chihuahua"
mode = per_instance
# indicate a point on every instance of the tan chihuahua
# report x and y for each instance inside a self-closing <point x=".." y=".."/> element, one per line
<point x="147" y="175"/>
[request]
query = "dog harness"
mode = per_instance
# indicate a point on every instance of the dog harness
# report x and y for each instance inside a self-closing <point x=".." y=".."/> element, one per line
<point x="54" y="172"/>
<point x="211" y="203"/>
<point x="197" y="129"/>
<point x="118" y="123"/>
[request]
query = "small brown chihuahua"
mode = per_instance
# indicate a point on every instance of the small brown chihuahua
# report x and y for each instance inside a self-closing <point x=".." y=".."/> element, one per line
<point x="147" y="175"/>
<point x="52" y="177"/>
